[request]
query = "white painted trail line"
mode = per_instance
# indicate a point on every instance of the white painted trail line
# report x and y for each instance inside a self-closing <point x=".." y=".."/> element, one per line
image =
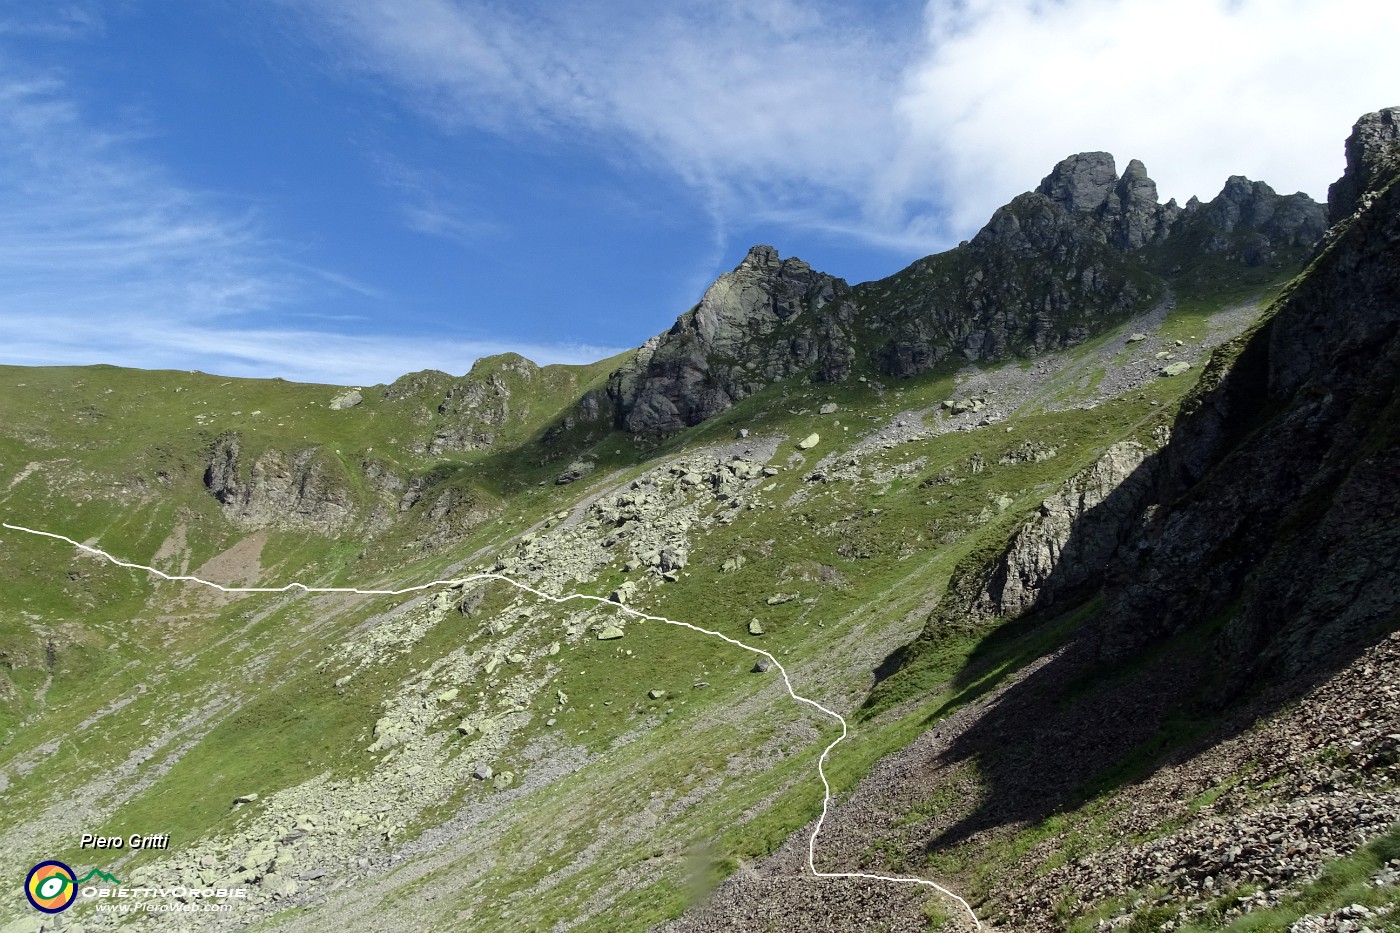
<point x="300" y="587"/>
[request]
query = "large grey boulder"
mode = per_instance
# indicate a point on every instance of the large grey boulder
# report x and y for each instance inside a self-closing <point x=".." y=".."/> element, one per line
<point x="347" y="399"/>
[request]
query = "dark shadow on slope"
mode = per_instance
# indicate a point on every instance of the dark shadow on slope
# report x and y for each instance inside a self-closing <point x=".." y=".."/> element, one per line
<point x="1266" y="559"/>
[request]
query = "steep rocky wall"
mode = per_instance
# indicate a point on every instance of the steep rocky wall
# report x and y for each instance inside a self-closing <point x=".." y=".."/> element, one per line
<point x="1062" y="550"/>
<point x="1049" y="270"/>
<point x="1279" y="494"/>
<point x="303" y="490"/>
<point x="1373" y="158"/>
<point x="766" y="320"/>
<point x="1274" y="508"/>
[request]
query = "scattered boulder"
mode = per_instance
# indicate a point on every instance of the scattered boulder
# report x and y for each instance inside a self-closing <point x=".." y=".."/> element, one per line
<point x="762" y="666"/>
<point x="1136" y="338"/>
<point x="808" y="442"/>
<point x="246" y="798"/>
<point x="777" y="599"/>
<point x="609" y="633"/>
<point x="672" y="558"/>
<point x="1175" y="369"/>
<point x="346" y="400"/>
<point x="483" y="772"/>
<point x="732" y="564"/>
<point x="1026" y="452"/>
<point x="656" y="694"/>
<point x="828" y="409"/>
<point x="476" y="724"/>
<point x="503" y="780"/>
<point x="755" y="627"/>
<point x="624" y="593"/>
<point x="963" y="405"/>
<point x="574" y="472"/>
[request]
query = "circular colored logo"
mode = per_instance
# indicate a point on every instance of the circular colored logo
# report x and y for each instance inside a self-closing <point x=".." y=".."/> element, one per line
<point x="51" y="887"/>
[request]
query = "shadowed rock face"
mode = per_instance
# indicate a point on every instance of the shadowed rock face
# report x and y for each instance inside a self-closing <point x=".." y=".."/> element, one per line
<point x="1276" y="504"/>
<point x="1373" y="159"/>
<point x="1280" y="490"/>
<point x="1049" y="270"/>
<point x="766" y="320"/>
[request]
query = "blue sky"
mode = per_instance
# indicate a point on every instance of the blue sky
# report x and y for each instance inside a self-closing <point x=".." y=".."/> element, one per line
<point x="346" y="190"/>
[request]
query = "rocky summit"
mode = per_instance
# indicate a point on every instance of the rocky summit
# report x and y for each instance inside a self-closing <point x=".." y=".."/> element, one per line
<point x="1076" y="546"/>
<point x="1084" y="251"/>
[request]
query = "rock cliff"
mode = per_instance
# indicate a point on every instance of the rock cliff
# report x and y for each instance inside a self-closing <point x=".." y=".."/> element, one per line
<point x="1055" y="266"/>
<point x="1373" y="159"/>
<point x="1061" y="550"/>
<point x="768" y="319"/>
<point x="304" y="490"/>
<point x="1274" y="506"/>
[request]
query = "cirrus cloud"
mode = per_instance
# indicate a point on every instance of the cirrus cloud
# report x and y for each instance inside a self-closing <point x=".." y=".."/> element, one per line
<point x="904" y="129"/>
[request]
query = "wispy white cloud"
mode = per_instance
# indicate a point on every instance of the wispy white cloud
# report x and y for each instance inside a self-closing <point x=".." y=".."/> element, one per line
<point x="898" y="132"/>
<point x="50" y="21"/>
<point x="431" y="204"/>
<point x="105" y="258"/>
<point x="1197" y="89"/>
<point x="306" y="355"/>
<point x="768" y="101"/>
<point x="88" y="230"/>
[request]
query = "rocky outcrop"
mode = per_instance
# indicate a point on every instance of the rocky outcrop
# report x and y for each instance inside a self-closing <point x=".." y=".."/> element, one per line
<point x="1061" y="550"/>
<point x="1055" y="266"/>
<point x="310" y="490"/>
<point x="1373" y="160"/>
<point x="766" y="320"/>
<point x="477" y="407"/>
<point x="1081" y="183"/>
<point x="1127" y="208"/>
<point x="305" y="490"/>
<point x="1250" y="223"/>
<point x="1276" y="504"/>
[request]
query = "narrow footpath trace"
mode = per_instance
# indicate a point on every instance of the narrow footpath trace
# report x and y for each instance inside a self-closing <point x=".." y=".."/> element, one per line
<point x="635" y="613"/>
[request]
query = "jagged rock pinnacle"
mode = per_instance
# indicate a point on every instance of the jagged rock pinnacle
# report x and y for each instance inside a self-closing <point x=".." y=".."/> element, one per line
<point x="1373" y="158"/>
<point x="1081" y="182"/>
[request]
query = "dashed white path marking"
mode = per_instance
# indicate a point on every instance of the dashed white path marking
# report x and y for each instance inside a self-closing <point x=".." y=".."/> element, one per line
<point x="293" y="587"/>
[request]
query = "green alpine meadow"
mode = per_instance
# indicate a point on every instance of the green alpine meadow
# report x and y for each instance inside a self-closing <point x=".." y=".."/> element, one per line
<point x="1088" y="528"/>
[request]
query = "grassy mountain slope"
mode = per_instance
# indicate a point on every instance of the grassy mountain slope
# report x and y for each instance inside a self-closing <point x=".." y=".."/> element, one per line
<point x="1026" y="725"/>
<point x="157" y="705"/>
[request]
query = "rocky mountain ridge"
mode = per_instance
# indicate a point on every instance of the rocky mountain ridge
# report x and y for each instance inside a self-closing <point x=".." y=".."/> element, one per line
<point x="1256" y="504"/>
<point x="1145" y="681"/>
<point x="1215" y="720"/>
<point x="1049" y="270"/>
